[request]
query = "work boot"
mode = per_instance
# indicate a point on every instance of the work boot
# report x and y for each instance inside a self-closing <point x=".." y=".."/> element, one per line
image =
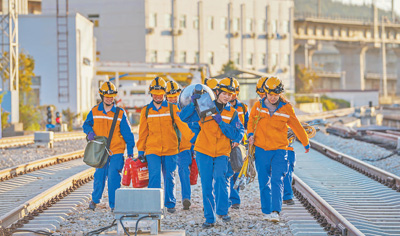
<point x="171" y="210"/>
<point x="207" y="225"/>
<point x="186" y="204"/>
<point x="288" y="202"/>
<point x="92" y="205"/>
<point x="225" y="218"/>
<point x="274" y="217"/>
<point x="235" y="206"/>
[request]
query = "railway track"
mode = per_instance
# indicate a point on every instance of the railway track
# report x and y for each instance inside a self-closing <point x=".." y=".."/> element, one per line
<point x="28" y="189"/>
<point x="18" y="141"/>
<point x="346" y="195"/>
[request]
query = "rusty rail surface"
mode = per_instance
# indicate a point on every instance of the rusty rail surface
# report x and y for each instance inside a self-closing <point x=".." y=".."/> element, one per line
<point x="38" y="164"/>
<point x="384" y="177"/>
<point x="325" y="214"/>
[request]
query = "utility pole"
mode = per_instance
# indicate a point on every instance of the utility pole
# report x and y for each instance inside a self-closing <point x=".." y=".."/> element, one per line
<point x="384" y="76"/>
<point x="9" y="63"/>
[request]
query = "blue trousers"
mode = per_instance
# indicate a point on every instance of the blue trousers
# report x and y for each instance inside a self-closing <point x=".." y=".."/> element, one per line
<point x="166" y="164"/>
<point x="271" y="167"/>
<point x="287" y="181"/>
<point x="184" y="162"/>
<point x="213" y="180"/>
<point x="234" y="197"/>
<point x="111" y="170"/>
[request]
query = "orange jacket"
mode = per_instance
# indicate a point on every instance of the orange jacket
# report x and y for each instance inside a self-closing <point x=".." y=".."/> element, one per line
<point x="271" y="130"/>
<point x="212" y="139"/>
<point x="156" y="133"/>
<point x="100" y="123"/>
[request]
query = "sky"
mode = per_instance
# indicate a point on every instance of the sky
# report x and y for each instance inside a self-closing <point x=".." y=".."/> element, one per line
<point x="383" y="4"/>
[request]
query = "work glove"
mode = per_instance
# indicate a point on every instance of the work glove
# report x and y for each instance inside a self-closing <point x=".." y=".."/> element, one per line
<point x="194" y="97"/>
<point x="307" y="148"/>
<point x="91" y="135"/>
<point x="130" y="156"/>
<point x="141" y="156"/>
<point x="217" y="118"/>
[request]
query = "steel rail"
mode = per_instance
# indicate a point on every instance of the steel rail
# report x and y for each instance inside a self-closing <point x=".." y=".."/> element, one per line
<point x="16" y="217"/>
<point x="25" y="140"/>
<point x="382" y="176"/>
<point x="38" y="164"/>
<point x="329" y="218"/>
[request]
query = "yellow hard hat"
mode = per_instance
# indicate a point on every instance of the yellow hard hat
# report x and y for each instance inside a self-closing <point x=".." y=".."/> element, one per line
<point x="158" y="86"/>
<point x="173" y="89"/>
<point x="273" y="85"/>
<point x="211" y="83"/>
<point x="227" y="85"/>
<point x="260" y="85"/>
<point x="237" y="86"/>
<point x="108" y="89"/>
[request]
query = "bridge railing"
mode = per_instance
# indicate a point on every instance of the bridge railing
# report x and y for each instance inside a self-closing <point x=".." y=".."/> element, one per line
<point x="304" y="15"/>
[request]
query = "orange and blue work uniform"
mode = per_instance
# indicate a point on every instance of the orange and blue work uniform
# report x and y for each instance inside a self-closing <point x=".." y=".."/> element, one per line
<point x="270" y="140"/>
<point x="243" y="114"/>
<point x="159" y="142"/>
<point x="99" y="121"/>
<point x="213" y="147"/>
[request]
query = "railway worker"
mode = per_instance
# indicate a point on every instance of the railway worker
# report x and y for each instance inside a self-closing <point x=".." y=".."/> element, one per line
<point x="158" y="140"/>
<point x="213" y="147"/>
<point x="98" y="122"/>
<point x="241" y="108"/>
<point x="185" y="153"/>
<point x="259" y="87"/>
<point x="267" y="128"/>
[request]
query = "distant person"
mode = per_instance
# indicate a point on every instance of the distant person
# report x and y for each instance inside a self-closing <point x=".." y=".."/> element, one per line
<point x="98" y="122"/>
<point x="158" y="140"/>
<point x="241" y="108"/>
<point x="185" y="153"/>
<point x="268" y="125"/>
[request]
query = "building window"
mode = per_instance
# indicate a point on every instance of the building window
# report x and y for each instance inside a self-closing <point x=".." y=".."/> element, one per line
<point x="285" y="26"/>
<point x="274" y="25"/>
<point x="210" y="57"/>
<point x="168" y="21"/>
<point x="153" y="56"/>
<point x="274" y="60"/>
<point x="196" y="22"/>
<point x="261" y="25"/>
<point x="168" y="57"/>
<point x="224" y="23"/>
<point x="249" y="58"/>
<point x="249" y="25"/>
<point x="236" y="24"/>
<point x="197" y="57"/>
<point x="182" y="57"/>
<point x="153" y="20"/>
<point x="95" y="19"/>
<point x="236" y="58"/>
<point x="182" y="21"/>
<point x="286" y="60"/>
<point x="262" y="59"/>
<point x="210" y="23"/>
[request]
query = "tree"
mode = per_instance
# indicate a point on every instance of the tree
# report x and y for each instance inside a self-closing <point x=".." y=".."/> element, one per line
<point x="228" y="67"/>
<point x="29" y="114"/>
<point x="305" y="79"/>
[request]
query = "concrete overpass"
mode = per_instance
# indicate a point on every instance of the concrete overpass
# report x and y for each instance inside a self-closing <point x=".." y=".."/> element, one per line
<point x="352" y="38"/>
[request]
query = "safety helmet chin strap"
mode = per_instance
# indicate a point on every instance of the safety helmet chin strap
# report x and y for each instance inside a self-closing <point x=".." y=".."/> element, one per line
<point x="157" y="102"/>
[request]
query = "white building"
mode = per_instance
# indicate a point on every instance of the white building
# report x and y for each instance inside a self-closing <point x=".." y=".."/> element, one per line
<point x="38" y="38"/>
<point x="254" y="34"/>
